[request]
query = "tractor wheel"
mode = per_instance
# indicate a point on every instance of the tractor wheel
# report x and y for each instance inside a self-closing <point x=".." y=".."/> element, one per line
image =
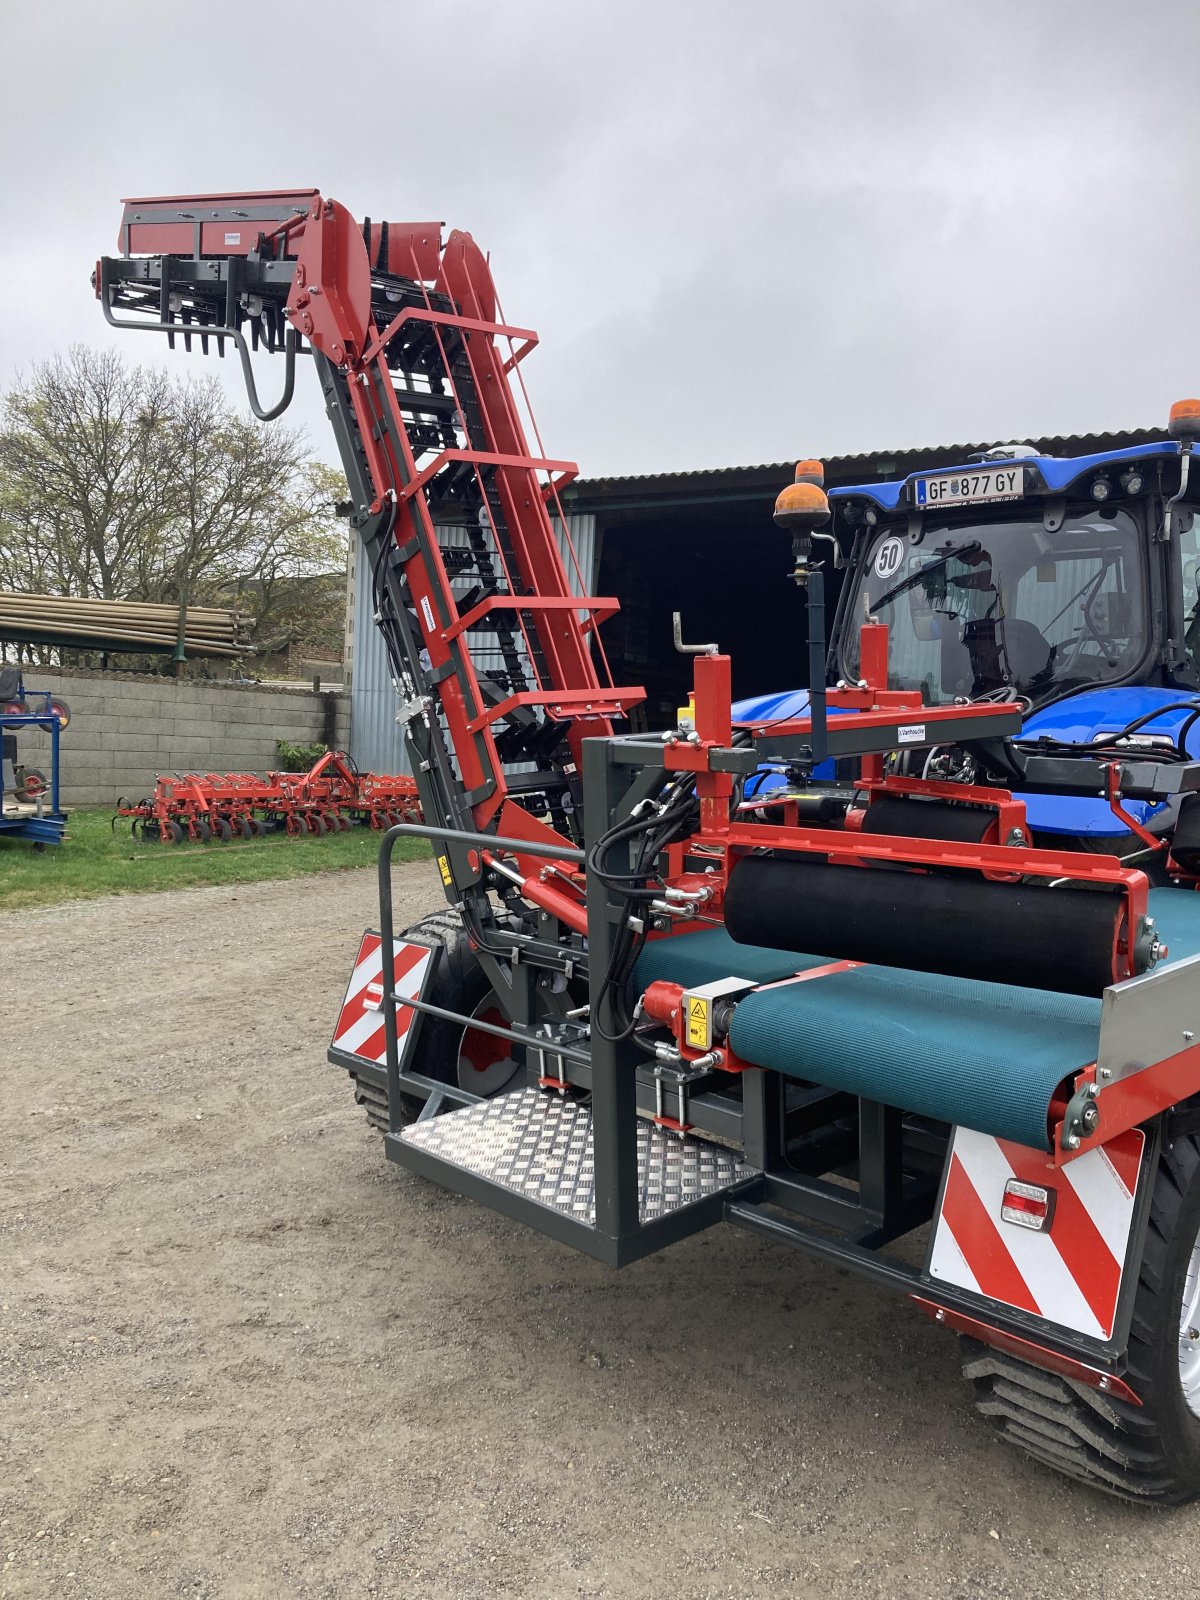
<point x="204" y="830"/>
<point x="447" y="1051"/>
<point x="222" y="830"/>
<point x="172" y="832"/>
<point x="316" y="823"/>
<point x="1148" y="1453"/>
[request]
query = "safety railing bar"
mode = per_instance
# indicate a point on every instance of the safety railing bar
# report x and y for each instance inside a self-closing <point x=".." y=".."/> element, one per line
<point x="491" y="841"/>
<point x="539" y="1041"/>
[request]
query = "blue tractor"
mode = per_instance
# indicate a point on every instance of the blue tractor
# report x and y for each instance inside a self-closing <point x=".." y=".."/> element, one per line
<point x="1068" y="584"/>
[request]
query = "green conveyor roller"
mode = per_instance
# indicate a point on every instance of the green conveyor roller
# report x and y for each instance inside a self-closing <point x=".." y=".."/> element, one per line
<point x="987" y="1055"/>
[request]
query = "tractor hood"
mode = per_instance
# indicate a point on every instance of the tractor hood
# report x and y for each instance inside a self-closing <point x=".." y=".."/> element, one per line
<point x="1078" y="719"/>
<point x="1082" y="718"/>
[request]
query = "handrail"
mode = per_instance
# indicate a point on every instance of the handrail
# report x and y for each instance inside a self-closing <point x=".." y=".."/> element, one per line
<point x="422" y="830"/>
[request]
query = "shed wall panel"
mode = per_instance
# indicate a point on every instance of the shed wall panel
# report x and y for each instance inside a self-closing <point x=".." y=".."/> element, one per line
<point x="376" y="740"/>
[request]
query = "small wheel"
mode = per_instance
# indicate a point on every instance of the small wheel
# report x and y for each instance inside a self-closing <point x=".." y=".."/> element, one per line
<point x="445" y="1050"/>
<point x="172" y="833"/>
<point x="33" y="783"/>
<point x="294" y="824"/>
<point x="257" y="826"/>
<point x="13" y="708"/>
<point x="61" y="710"/>
<point x="316" y="823"/>
<point x="223" y="831"/>
<point x="245" y="827"/>
<point x="203" y="830"/>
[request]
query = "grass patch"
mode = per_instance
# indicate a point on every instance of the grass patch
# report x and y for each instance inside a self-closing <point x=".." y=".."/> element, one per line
<point x="96" y="860"/>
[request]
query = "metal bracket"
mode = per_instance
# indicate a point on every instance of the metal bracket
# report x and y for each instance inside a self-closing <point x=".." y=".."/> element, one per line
<point x="1081" y="1116"/>
<point x="290" y="346"/>
<point x="689" y="649"/>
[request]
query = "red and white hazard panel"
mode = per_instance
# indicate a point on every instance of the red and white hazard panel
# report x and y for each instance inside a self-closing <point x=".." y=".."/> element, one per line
<point x="1049" y="1240"/>
<point x="360" y="1030"/>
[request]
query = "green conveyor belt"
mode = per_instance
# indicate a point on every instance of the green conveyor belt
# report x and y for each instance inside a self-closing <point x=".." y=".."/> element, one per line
<point x="987" y="1055"/>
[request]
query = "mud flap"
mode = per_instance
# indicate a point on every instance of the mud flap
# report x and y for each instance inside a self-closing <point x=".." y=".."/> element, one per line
<point x="360" y="1038"/>
<point x="1058" y="1244"/>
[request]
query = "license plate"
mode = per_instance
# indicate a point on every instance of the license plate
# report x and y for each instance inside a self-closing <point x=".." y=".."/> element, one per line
<point x="969" y="488"/>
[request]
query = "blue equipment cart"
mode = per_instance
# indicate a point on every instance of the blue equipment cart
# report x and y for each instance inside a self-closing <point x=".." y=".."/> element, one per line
<point x="30" y="807"/>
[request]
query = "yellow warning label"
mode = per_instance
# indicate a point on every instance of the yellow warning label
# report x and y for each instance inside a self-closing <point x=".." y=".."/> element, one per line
<point x="698" y="1035"/>
<point x="444" y="869"/>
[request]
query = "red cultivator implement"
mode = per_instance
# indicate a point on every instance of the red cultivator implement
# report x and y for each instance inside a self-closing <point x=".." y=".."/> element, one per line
<point x="330" y="798"/>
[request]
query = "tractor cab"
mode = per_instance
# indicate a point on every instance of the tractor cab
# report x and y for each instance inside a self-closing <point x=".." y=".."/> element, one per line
<point x="1066" y="584"/>
<point x="1024" y="576"/>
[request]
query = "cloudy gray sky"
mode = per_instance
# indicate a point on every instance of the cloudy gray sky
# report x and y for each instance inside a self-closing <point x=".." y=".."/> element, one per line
<point x="745" y="231"/>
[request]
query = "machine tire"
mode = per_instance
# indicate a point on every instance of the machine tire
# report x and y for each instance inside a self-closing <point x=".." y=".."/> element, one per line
<point x="459" y="984"/>
<point x="173" y="832"/>
<point x="204" y="830"/>
<point x="32" y="783"/>
<point x="1148" y="1453"/>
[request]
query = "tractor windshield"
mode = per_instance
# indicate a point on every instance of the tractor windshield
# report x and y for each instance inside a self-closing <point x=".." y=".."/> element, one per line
<point x="983" y="607"/>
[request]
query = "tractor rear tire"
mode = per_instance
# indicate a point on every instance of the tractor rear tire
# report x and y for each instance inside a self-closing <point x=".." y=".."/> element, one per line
<point x="446" y="1051"/>
<point x="1148" y="1453"/>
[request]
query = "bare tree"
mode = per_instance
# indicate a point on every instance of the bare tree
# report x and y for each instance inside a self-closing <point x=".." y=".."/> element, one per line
<point x="121" y="482"/>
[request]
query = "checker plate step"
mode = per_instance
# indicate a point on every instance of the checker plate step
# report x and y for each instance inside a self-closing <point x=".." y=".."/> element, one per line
<point x="540" y="1145"/>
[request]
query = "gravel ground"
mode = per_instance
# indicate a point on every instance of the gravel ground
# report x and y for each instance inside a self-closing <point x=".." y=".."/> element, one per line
<point x="242" y="1355"/>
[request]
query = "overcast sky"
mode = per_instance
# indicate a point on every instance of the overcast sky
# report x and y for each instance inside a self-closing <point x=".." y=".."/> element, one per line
<point x="745" y="231"/>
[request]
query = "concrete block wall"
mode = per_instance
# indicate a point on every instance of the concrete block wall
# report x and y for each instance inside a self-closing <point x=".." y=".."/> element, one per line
<point x="126" y="729"/>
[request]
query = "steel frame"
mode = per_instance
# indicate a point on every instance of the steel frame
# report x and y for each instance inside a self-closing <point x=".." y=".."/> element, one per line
<point x="404" y="336"/>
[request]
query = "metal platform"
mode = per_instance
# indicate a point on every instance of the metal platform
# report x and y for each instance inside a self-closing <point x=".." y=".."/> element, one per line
<point x="539" y="1146"/>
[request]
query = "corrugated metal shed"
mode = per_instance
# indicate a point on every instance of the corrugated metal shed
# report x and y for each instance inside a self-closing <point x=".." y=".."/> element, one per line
<point x="376" y="742"/>
<point x="644" y="490"/>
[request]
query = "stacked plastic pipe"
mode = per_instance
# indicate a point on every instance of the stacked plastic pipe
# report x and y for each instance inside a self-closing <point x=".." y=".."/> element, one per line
<point x="118" y="625"/>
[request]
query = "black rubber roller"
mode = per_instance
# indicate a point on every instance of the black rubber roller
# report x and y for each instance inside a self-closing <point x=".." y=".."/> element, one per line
<point x="1031" y="935"/>
<point x="927" y="819"/>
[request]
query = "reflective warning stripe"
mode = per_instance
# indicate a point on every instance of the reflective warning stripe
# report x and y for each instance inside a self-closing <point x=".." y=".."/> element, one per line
<point x="1071" y="1273"/>
<point x="969" y="1222"/>
<point x="360" y="1027"/>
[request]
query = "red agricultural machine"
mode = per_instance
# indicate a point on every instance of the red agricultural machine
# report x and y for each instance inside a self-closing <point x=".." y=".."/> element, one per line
<point x="645" y="1011"/>
<point x="332" y="797"/>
